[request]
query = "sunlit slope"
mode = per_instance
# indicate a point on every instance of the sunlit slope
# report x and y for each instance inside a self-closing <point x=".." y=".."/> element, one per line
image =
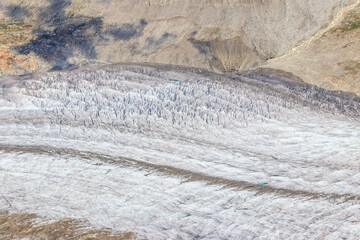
<point x="331" y="60"/>
<point x="218" y="35"/>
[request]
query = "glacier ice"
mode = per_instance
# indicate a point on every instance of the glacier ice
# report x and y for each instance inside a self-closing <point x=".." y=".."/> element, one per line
<point x="234" y="133"/>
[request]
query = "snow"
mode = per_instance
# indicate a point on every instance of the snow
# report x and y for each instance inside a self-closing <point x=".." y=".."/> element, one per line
<point x="239" y="131"/>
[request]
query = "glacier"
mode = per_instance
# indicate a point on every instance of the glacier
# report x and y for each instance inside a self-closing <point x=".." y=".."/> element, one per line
<point x="242" y="156"/>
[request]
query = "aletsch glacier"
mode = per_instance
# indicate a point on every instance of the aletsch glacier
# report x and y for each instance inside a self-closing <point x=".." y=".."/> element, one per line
<point x="56" y="127"/>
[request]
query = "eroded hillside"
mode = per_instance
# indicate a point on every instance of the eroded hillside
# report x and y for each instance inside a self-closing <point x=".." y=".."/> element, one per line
<point x="217" y="35"/>
<point x="332" y="59"/>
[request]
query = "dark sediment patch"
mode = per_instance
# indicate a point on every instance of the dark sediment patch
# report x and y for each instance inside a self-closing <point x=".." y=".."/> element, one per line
<point x="15" y="226"/>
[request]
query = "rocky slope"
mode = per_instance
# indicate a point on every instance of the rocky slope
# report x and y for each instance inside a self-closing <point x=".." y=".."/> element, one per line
<point x="332" y="58"/>
<point x="217" y="35"/>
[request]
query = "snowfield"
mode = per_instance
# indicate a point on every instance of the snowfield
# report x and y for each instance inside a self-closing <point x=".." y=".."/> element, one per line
<point x="208" y="157"/>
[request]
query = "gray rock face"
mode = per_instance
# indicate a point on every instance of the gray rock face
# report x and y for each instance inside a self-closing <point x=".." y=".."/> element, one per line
<point x="216" y="35"/>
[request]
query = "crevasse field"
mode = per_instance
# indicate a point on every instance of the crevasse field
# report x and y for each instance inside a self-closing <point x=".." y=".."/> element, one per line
<point x="247" y="156"/>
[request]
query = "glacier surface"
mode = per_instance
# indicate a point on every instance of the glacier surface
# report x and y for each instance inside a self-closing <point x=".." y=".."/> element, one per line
<point x="238" y="157"/>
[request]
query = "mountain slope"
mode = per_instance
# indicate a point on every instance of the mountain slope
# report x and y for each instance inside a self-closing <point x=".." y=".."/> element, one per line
<point x="332" y="60"/>
<point x="217" y="35"/>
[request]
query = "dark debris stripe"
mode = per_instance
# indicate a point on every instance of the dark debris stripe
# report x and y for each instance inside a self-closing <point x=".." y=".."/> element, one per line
<point x="187" y="175"/>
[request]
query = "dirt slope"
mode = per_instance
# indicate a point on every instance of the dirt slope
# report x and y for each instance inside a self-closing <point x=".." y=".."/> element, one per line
<point x="217" y="35"/>
<point x="331" y="61"/>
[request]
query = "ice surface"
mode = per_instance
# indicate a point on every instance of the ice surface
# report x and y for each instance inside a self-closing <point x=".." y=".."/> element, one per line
<point x="161" y="206"/>
<point x="242" y="130"/>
